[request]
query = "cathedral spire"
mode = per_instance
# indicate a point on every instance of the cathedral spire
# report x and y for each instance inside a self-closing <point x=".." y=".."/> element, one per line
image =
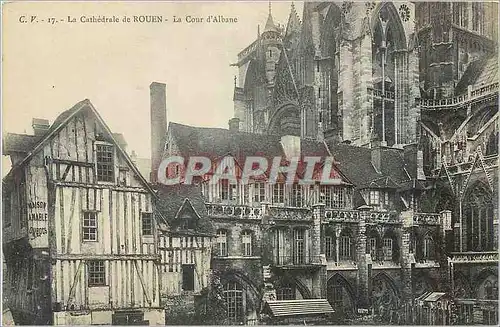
<point x="270" y="26"/>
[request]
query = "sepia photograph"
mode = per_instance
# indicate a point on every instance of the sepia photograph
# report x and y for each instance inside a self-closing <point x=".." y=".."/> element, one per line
<point x="249" y="163"/>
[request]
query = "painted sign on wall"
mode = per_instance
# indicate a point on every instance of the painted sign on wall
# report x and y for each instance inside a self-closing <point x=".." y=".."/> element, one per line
<point x="37" y="208"/>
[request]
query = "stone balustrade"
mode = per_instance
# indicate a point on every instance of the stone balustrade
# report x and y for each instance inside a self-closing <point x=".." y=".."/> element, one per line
<point x="436" y="104"/>
<point x="341" y="215"/>
<point x="233" y="211"/>
<point x="289" y="213"/>
<point x="475" y="257"/>
<point x="421" y="218"/>
<point x="383" y="217"/>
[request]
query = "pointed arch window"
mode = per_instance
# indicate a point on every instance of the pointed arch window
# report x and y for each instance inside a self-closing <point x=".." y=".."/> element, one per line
<point x="478" y="216"/>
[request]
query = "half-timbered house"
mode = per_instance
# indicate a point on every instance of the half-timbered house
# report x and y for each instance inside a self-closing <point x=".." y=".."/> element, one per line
<point x="79" y="227"/>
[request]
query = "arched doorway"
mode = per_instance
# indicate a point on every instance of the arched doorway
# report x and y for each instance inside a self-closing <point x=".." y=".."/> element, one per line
<point x="340" y="295"/>
<point x="241" y="298"/>
<point x="385" y="299"/>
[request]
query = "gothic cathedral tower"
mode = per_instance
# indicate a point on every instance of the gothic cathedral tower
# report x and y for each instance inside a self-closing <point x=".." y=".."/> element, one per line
<point x="452" y="35"/>
<point x="347" y="72"/>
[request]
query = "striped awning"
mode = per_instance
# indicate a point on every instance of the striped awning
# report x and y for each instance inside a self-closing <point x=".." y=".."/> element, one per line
<point x="288" y="308"/>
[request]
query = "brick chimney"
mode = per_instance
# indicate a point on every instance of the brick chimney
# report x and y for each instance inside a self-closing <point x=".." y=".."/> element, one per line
<point x="158" y="100"/>
<point x="40" y="126"/>
<point x="234" y="124"/>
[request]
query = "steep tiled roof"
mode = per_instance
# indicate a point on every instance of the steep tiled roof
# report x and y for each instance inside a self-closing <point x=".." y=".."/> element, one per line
<point x="355" y="162"/>
<point x="479" y="73"/>
<point x="171" y="199"/>
<point x="219" y="142"/>
<point x="13" y="142"/>
<point x="393" y="163"/>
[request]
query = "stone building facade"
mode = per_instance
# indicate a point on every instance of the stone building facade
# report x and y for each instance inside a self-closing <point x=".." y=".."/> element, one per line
<point x="421" y="78"/>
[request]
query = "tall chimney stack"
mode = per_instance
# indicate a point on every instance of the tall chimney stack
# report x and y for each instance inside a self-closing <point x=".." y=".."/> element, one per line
<point x="40" y="126"/>
<point x="158" y="98"/>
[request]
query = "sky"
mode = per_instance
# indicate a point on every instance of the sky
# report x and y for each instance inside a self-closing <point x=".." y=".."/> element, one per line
<point x="48" y="67"/>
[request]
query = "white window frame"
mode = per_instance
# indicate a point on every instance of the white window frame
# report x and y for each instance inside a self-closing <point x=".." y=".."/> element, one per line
<point x="88" y="228"/>
<point x="375" y="197"/>
<point x="279" y="193"/>
<point x="246" y="240"/>
<point x="96" y="163"/>
<point x="222" y="243"/>
<point x="388" y="246"/>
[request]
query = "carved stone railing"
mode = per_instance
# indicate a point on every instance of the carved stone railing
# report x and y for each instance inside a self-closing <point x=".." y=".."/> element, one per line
<point x="383" y="217"/>
<point x="233" y="211"/>
<point x="346" y="215"/>
<point x="421" y="218"/>
<point x="436" y="104"/>
<point x="475" y="257"/>
<point x="289" y="213"/>
<point x="342" y="215"/>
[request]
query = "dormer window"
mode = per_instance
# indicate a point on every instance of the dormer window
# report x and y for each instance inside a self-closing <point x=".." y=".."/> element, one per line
<point x="105" y="162"/>
<point x="374" y="197"/>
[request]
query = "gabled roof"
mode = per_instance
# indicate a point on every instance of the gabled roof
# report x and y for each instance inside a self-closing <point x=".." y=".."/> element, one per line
<point x="61" y="121"/>
<point x="172" y="199"/>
